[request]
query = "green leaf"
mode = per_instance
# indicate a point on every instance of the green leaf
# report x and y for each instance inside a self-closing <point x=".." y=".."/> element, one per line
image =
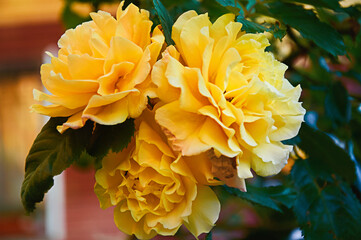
<point x="327" y="157"/>
<point x="229" y="3"/>
<point x="113" y="137"/>
<point x="330" y="16"/>
<point x="327" y="211"/>
<point x="262" y="199"/>
<point x="279" y="194"/>
<point x="232" y="5"/>
<point x="53" y="152"/>
<point x="310" y="27"/>
<point x="251" y="27"/>
<point x="213" y="8"/>
<point x="355" y="125"/>
<point x="278" y="31"/>
<point x="85" y="160"/>
<point x="337" y="104"/>
<point x="146" y="4"/>
<point x="332" y="4"/>
<point x="354" y="11"/>
<point x="165" y="19"/>
<point x="269" y="197"/>
<point x="50" y="154"/>
<point x="251" y="4"/>
<point x="209" y="236"/>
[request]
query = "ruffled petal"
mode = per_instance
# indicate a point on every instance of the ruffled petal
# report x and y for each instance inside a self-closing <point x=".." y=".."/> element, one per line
<point x="270" y="158"/>
<point x="187" y="134"/>
<point x="125" y="222"/>
<point x="205" y="212"/>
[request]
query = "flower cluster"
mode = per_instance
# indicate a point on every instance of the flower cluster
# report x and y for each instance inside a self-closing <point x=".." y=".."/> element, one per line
<point x="207" y="111"/>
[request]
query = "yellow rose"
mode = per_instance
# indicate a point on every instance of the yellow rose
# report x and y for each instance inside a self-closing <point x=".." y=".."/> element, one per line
<point x="219" y="89"/>
<point x="102" y="69"/>
<point x="154" y="189"/>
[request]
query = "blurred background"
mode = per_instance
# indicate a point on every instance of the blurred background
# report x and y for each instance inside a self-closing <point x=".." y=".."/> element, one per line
<point x="71" y="210"/>
<point x="28" y="28"/>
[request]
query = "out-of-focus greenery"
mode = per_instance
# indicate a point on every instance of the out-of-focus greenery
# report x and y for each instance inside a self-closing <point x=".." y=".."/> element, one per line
<point x="320" y="194"/>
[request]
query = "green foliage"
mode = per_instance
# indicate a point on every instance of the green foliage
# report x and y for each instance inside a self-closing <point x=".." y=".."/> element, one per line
<point x="113" y="137"/>
<point x="209" y="236"/>
<point x="324" y="209"/>
<point x="50" y="154"/>
<point x="165" y="19"/>
<point x="253" y="27"/>
<point x="310" y="27"/>
<point x="338" y="104"/>
<point x="70" y="18"/>
<point x="53" y="152"/>
<point x="230" y="3"/>
<point x="327" y="157"/>
<point x="270" y="197"/>
<point x="332" y="4"/>
<point x="85" y="160"/>
<point x="278" y="31"/>
<point x="232" y="6"/>
<point x="355" y="135"/>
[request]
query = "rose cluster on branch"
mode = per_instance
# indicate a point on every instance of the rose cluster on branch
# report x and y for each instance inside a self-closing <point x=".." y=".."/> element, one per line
<point x="208" y="110"/>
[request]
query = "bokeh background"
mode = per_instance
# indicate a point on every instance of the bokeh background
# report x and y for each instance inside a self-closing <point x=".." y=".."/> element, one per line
<point x="71" y="210"/>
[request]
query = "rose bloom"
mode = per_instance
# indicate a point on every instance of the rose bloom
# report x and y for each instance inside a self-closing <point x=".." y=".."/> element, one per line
<point x="220" y="91"/>
<point x="154" y="189"/>
<point x="102" y="70"/>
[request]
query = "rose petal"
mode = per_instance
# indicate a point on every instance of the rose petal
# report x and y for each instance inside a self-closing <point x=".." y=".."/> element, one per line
<point x="205" y="212"/>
